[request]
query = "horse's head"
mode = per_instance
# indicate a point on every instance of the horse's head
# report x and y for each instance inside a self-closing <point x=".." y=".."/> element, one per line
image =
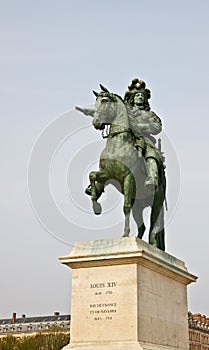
<point x="105" y="108"/>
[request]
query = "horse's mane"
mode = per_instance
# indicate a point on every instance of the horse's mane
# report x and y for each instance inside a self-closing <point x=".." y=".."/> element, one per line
<point x="111" y="95"/>
<point x="132" y="120"/>
<point x="119" y="97"/>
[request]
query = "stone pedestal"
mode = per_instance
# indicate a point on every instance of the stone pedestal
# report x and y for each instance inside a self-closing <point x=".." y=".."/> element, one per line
<point x="127" y="295"/>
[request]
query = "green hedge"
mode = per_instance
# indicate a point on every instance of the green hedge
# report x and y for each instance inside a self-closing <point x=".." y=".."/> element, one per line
<point x="40" y="341"/>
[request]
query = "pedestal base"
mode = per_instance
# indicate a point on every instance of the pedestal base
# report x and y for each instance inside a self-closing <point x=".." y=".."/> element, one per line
<point x="119" y="346"/>
<point x="127" y="295"/>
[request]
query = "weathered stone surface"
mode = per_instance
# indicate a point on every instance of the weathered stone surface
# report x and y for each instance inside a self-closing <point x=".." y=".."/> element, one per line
<point x="127" y="294"/>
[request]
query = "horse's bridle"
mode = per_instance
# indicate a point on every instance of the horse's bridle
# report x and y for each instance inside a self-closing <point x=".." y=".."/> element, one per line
<point x="105" y="136"/>
<point x="106" y="111"/>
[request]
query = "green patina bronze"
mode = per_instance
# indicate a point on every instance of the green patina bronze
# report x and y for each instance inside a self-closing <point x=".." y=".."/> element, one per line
<point x="130" y="160"/>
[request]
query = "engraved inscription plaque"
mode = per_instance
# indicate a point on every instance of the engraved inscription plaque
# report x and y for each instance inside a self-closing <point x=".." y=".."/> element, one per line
<point x="104" y="298"/>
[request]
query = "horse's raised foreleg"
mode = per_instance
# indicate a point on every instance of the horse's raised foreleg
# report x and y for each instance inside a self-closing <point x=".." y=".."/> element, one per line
<point x="137" y="212"/>
<point x="128" y="190"/>
<point x="97" y="180"/>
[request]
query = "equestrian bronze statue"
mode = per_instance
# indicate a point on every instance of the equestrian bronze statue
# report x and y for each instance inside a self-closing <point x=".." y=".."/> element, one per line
<point x="130" y="160"/>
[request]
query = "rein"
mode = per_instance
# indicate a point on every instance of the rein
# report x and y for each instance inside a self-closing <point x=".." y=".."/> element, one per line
<point x="120" y="132"/>
<point x="105" y="132"/>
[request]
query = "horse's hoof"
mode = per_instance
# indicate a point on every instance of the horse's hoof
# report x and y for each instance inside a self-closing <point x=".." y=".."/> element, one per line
<point x="97" y="208"/>
<point x="125" y="235"/>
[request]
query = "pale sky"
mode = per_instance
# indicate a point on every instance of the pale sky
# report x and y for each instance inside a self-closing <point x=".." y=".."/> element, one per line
<point x="53" y="54"/>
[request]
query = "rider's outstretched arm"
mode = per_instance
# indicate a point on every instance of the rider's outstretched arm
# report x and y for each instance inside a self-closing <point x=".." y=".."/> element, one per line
<point x="86" y="111"/>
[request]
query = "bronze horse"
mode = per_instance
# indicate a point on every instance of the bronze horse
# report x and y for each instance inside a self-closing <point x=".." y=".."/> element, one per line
<point x="120" y="165"/>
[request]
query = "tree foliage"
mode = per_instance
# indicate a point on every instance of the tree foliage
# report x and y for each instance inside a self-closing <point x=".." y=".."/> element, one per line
<point x="40" y="341"/>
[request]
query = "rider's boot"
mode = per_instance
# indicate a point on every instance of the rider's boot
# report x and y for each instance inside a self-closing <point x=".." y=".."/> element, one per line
<point x="151" y="181"/>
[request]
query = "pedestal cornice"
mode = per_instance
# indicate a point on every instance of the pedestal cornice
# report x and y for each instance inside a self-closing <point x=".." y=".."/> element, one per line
<point x="127" y="250"/>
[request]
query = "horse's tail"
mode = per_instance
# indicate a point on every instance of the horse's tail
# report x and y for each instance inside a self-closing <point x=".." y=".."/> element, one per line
<point x="163" y="183"/>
